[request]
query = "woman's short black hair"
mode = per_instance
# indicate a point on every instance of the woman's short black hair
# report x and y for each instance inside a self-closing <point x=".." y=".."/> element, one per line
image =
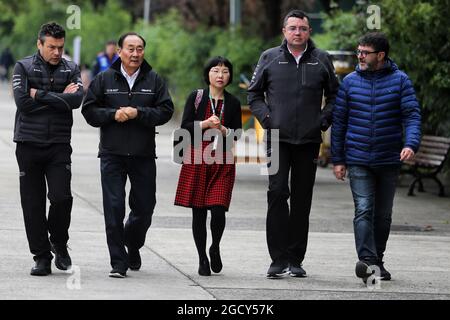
<point x="214" y="62"/>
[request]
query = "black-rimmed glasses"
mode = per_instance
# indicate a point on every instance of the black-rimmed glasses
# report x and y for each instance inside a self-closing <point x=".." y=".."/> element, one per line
<point x="364" y="52"/>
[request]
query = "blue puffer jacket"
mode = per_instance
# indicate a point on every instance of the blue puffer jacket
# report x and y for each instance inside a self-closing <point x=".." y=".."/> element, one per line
<point x="372" y="110"/>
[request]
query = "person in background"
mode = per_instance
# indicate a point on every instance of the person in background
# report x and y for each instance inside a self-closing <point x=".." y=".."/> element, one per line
<point x="6" y="62"/>
<point x="86" y="76"/>
<point x="66" y="55"/>
<point x="106" y="58"/>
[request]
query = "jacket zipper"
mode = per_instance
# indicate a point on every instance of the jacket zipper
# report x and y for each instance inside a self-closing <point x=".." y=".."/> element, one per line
<point x="52" y="80"/>
<point x="303" y="74"/>
<point x="129" y="129"/>
<point x="299" y="87"/>
<point x="130" y="96"/>
<point x="372" y="118"/>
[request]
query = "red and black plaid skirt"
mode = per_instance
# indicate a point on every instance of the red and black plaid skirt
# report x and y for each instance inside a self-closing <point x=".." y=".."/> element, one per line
<point x="205" y="185"/>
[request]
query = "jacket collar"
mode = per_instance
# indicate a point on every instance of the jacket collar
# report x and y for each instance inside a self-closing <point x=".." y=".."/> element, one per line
<point x="39" y="58"/>
<point x="145" y="68"/>
<point x="389" y="67"/>
<point x="310" y="47"/>
<point x="226" y="94"/>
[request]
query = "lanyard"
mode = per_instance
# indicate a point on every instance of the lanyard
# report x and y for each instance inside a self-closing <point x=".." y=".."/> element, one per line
<point x="213" y="107"/>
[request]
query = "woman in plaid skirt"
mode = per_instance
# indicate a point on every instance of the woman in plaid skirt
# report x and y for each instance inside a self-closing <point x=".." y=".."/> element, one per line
<point x="208" y="171"/>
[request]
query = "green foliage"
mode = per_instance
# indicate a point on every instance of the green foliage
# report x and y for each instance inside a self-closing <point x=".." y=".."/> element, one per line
<point x="323" y="41"/>
<point x="179" y="54"/>
<point x="27" y="23"/>
<point x="8" y="11"/>
<point x="97" y="27"/>
<point x="243" y="51"/>
<point x="175" y="53"/>
<point x="343" y="29"/>
<point x="418" y="31"/>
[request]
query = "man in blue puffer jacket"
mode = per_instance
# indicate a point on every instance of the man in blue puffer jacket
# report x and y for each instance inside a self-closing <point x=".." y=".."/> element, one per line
<point x="374" y="106"/>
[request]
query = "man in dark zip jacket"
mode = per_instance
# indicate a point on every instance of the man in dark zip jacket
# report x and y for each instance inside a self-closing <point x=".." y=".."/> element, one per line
<point x="127" y="102"/>
<point x="46" y="90"/>
<point x="285" y="94"/>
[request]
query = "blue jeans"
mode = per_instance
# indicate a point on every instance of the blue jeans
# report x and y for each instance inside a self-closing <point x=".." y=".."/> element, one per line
<point x="373" y="190"/>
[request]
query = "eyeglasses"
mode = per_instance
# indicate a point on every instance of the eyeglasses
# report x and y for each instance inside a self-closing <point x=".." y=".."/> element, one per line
<point x="217" y="72"/>
<point x="364" y="53"/>
<point x="292" y="29"/>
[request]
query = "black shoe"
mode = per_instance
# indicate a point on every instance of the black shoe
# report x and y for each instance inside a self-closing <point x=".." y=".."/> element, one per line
<point x="43" y="267"/>
<point x="364" y="269"/>
<point x="216" y="261"/>
<point x="116" y="273"/>
<point x="203" y="267"/>
<point x="277" y="270"/>
<point x="134" y="259"/>
<point x="296" y="270"/>
<point x="384" y="274"/>
<point x="62" y="258"/>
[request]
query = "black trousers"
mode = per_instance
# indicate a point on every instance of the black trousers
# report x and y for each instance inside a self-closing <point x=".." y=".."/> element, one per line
<point x="142" y="200"/>
<point x="42" y="166"/>
<point x="287" y="228"/>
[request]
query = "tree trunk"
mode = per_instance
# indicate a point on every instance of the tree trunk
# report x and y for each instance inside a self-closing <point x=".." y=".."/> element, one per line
<point x="273" y="24"/>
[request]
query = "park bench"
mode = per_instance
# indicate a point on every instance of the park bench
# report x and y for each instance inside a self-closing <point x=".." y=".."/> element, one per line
<point x="428" y="162"/>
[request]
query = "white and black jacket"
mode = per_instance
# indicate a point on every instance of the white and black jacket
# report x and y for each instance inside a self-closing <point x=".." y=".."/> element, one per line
<point x="109" y="91"/>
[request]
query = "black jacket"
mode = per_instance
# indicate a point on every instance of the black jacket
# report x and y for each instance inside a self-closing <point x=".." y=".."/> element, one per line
<point x="286" y="96"/>
<point x="191" y="117"/>
<point x="109" y="91"/>
<point x="48" y="117"/>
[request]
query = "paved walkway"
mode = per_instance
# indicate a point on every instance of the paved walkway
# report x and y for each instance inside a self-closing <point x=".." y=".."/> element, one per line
<point x="418" y="259"/>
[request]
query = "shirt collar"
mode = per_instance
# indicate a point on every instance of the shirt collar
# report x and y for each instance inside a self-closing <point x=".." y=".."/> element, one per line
<point x="300" y="56"/>
<point x="133" y="76"/>
<point x="130" y="79"/>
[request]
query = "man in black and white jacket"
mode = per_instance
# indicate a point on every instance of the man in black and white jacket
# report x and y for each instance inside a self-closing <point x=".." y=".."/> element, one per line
<point x="127" y="102"/>
<point x="46" y="90"/>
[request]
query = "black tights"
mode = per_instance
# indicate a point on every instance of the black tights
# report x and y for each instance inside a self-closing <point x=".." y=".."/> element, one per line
<point x="199" y="228"/>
